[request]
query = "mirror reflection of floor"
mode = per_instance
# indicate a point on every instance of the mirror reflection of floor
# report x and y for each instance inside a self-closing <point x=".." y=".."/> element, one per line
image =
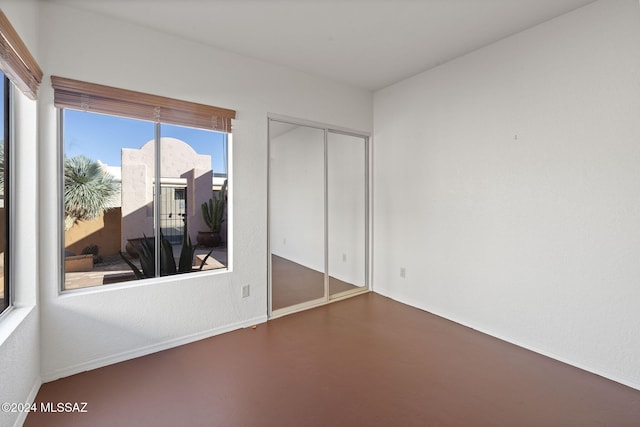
<point x="293" y="283"/>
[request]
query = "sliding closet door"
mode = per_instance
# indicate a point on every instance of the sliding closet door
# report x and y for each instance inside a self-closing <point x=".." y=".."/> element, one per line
<point x="346" y="213"/>
<point x="296" y="215"/>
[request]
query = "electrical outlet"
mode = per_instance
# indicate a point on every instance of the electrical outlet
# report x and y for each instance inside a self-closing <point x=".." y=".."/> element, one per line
<point x="284" y="241"/>
<point x="403" y="272"/>
<point x="245" y="291"/>
<point x="344" y="257"/>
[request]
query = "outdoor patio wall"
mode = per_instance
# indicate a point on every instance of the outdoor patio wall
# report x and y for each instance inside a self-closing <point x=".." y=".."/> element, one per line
<point x="85" y="329"/>
<point x="105" y="229"/>
<point x="506" y="184"/>
<point x="20" y="327"/>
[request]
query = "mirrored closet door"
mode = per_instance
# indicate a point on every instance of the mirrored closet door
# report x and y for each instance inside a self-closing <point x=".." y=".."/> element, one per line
<point x="318" y="215"/>
<point x="346" y="213"/>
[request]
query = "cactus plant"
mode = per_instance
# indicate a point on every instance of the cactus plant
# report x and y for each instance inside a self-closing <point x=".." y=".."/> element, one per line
<point x="168" y="264"/>
<point x="213" y="210"/>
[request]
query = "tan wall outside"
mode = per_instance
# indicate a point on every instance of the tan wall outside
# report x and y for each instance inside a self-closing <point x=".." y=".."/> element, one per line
<point x="104" y="231"/>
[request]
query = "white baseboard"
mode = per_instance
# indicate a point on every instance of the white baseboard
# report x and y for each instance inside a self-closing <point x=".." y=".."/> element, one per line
<point x="143" y="351"/>
<point x="22" y="416"/>
<point x="518" y="343"/>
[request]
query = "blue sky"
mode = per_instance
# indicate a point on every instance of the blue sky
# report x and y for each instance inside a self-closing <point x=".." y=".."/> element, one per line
<point x="101" y="137"/>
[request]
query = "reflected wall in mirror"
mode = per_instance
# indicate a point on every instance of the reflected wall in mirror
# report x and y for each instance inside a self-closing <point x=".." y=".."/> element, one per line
<point x="346" y="209"/>
<point x="296" y="191"/>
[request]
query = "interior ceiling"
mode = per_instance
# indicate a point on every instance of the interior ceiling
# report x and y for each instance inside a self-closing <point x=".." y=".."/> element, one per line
<point x="365" y="43"/>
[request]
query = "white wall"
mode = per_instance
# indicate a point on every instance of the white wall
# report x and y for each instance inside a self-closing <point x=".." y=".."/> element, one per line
<point x="20" y="328"/>
<point x="99" y="326"/>
<point x="506" y="183"/>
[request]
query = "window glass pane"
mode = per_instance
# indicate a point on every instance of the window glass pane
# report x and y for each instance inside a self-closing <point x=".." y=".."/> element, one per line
<point x="193" y="214"/>
<point x="110" y="199"/>
<point x="109" y="173"/>
<point x="4" y="205"/>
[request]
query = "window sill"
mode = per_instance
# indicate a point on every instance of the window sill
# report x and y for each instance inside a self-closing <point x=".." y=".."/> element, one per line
<point x="10" y="321"/>
<point x="155" y="281"/>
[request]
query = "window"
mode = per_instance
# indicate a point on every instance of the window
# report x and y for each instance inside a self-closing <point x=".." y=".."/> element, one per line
<point x="118" y="224"/>
<point x="17" y="68"/>
<point x="4" y="197"/>
<point x="179" y="193"/>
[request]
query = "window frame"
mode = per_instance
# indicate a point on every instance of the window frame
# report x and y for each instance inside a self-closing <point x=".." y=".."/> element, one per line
<point x="158" y="278"/>
<point x="8" y="205"/>
<point x="21" y="72"/>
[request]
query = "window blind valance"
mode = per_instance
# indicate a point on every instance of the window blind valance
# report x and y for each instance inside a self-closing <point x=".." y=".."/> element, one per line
<point x="16" y="60"/>
<point x="79" y="95"/>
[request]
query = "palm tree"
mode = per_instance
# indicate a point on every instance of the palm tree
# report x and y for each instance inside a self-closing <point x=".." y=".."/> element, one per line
<point x="88" y="190"/>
